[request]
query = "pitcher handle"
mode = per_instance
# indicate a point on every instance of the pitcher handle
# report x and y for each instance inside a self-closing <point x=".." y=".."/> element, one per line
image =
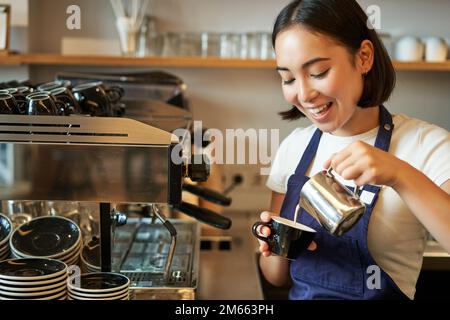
<point x="356" y="191"/>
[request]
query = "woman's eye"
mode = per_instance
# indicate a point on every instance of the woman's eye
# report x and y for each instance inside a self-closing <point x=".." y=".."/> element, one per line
<point x="320" y="75"/>
<point x="286" y="82"/>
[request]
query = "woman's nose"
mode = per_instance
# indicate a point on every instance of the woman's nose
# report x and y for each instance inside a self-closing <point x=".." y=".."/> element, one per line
<point x="306" y="94"/>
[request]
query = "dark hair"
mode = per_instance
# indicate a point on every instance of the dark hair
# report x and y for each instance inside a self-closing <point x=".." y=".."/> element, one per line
<point x="347" y="23"/>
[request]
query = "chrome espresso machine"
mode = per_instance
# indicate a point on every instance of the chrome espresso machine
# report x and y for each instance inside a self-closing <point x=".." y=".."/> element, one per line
<point x="130" y="172"/>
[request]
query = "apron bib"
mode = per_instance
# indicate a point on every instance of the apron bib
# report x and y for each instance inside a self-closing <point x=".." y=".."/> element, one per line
<point x="341" y="267"/>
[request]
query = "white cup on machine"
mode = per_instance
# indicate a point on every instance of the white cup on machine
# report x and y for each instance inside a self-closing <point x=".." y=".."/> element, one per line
<point x="436" y="49"/>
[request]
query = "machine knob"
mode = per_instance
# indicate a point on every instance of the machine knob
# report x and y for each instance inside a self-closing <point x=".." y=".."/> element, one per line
<point x="118" y="219"/>
<point x="199" y="168"/>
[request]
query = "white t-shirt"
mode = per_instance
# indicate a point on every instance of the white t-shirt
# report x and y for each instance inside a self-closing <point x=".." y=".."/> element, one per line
<point x="396" y="238"/>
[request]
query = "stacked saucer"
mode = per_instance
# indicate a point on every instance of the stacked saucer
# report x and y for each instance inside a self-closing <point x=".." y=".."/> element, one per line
<point x="51" y="237"/>
<point x="33" y="279"/>
<point x="90" y="256"/>
<point x="99" y="286"/>
<point x="5" y="234"/>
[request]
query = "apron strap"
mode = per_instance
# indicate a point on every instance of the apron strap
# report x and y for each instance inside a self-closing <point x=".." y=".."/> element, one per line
<point x="384" y="135"/>
<point x="309" y="154"/>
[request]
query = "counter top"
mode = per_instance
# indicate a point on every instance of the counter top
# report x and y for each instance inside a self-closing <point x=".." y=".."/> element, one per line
<point x="434" y="250"/>
<point x="231" y="274"/>
<point x="435" y="258"/>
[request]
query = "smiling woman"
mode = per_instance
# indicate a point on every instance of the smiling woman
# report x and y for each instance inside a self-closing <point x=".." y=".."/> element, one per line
<point x="336" y="72"/>
<point x="379" y="81"/>
<point x="325" y="81"/>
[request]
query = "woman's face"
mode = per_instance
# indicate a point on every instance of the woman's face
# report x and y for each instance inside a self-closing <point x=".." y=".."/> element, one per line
<point x="319" y="78"/>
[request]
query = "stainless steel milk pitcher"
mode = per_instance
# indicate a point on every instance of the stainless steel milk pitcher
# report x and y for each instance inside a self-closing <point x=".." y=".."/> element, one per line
<point x="331" y="203"/>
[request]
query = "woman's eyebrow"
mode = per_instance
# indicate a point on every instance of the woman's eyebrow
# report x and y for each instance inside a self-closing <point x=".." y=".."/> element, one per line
<point x="306" y="64"/>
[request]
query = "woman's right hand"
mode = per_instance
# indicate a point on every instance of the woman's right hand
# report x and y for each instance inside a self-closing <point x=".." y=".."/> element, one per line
<point x="266" y="216"/>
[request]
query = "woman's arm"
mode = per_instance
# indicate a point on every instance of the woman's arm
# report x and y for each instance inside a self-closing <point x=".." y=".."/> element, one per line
<point x="428" y="202"/>
<point x="275" y="269"/>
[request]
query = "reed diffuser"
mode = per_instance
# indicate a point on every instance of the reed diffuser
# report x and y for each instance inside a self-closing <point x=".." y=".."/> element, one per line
<point x="129" y="17"/>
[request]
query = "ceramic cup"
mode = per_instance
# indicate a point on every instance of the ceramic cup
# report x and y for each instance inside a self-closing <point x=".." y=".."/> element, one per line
<point x="287" y="239"/>
<point x="435" y="49"/>
<point x="43" y="104"/>
<point x="409" y="49"/>
<point x="8" y="104"/>
<point x="96" y="99"/>
<point x="65" y="96"/>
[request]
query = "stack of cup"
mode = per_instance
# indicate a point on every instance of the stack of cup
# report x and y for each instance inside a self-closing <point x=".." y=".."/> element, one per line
<point x="33" y="279"/>
<point x="50" y="237"/>
<point x="90" y="256"/>
<point x="99" y="286"/>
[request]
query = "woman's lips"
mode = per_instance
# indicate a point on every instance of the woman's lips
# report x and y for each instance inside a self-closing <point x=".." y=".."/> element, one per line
<point x="322" y="117"/>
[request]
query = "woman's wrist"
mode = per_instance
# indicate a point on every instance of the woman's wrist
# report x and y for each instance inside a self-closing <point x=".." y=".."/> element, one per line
<point x="404" y="175"/>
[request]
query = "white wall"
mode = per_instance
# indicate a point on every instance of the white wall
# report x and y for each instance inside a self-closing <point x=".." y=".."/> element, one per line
<point x="249" y="98"/>
<point x="19" y="38"/>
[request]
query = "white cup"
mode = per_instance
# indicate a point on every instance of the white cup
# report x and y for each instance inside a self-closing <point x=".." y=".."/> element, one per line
<point x="435" y="49"/>
<point x="409" y="49"/>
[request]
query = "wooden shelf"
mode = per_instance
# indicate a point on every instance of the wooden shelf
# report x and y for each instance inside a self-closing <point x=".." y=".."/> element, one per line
<point x="177" y="62"/>
<point x="7" y="59"/>
<point x="118" y="61"/>
<point x="422" y="66"/>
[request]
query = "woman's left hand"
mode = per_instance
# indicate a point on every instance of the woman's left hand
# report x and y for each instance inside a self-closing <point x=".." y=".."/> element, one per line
<point x="366" y="164"/>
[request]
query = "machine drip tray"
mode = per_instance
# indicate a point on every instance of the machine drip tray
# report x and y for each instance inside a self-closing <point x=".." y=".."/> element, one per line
<point x="146" y="255"/>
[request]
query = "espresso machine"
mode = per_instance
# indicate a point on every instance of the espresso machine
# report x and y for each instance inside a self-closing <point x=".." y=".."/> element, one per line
<point x="134" y="171"/>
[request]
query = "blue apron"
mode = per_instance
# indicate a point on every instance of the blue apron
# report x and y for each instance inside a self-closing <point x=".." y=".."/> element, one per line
<point x="341" y="267"/>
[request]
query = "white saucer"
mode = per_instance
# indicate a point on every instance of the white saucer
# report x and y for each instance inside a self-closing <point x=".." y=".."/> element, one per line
<point x="88" y="265"/>
<point x="73" y="256"/>
<point x="19" y="235"/>
<point x="32" y="294"/>
<point x="60" y="256"/>
<point x="5" y="256"/>
<point x="6" y="220"/>
<point x="4" y="248"/>
<point x="32" y="263"/>
<point x="63" y="294"/>
<point x="34" y="283"/>
<point x="100" y="291"/>
<point x="97" y="295"/>
<point x="107" y="298"/>
<point x="5" y="253"/>
<point x="71" y="253"/>
<point x="31" y="288"/>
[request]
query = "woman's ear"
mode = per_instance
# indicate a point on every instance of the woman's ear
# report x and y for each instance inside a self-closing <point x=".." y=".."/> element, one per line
<point x="364" y="57"/>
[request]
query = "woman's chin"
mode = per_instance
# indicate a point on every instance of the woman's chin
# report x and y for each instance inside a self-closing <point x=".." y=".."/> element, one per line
<point x="326" y="127"/>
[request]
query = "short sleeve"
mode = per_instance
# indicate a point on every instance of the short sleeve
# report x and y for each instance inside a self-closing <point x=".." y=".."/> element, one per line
<point x="277" y="177"/>
<point x="287" y="157"/>
<point x="435" y="145"/>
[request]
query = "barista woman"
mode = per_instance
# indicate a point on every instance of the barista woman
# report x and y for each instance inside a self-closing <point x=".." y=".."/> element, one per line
<point x="336" y="72"/>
